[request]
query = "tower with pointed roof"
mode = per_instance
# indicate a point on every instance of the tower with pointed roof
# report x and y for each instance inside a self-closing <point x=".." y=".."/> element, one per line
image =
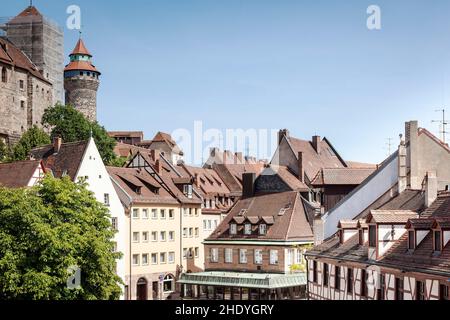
<point x="42" y="40"/>
<point x="81" y="81"/>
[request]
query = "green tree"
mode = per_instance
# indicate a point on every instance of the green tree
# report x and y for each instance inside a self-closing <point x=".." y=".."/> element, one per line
<point x="71" y="125"/>
<point x="32" y="138"/>
<point x="3" y="151"/>
<point x="47" y="229"/>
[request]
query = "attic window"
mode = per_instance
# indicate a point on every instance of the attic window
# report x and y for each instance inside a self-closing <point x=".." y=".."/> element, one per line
<point x="247" y="229"/>
<point x="437" y="241"/>
<point x="233" y="229"/>
<point x="262" y="229"/>
<point x="411" y="240"/>
<point x="242" y="212"/>
<point x="372" y="236"/>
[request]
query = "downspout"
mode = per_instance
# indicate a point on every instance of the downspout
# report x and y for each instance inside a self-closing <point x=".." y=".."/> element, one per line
<point x="307" y="278"/>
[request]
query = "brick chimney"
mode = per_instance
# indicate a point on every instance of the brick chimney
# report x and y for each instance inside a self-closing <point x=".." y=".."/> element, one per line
<point x="412" y="137"/>
<point x="158" y="166"/>
<point x="282" y="133"/>
<point x="57" y="142"/>
<point x="431" y="189"/>
<point x="248" y="184"/>
<point x="301" y="168"/>
<point x="316" y="143"/>
<point x="402" y="167"/>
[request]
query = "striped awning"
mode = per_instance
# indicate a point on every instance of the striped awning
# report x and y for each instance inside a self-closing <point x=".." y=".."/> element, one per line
<point x="244" y="280"/>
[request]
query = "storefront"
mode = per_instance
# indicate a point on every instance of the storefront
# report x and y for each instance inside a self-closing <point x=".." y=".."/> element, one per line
<point x="243" y="286"/>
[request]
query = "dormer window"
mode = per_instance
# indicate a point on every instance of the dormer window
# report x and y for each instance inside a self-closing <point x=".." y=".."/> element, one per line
<point x="247" y="229"/>
<point x="262" y="229"/>
<point x="411" y="240"/>
<point x="233" y="228"/>
<point x="187" y="190"/>
<point x="437" y="241"/>
<point x="361" y="237"/>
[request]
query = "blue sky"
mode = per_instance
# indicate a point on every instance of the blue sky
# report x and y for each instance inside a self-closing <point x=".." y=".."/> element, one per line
<point x="310" y="66"/>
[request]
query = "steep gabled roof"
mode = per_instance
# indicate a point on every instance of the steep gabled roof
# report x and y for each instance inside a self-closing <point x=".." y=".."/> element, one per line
<point x="66" y="161"/>
<point x="18" y="174"/>
<point x="285" y="211"/>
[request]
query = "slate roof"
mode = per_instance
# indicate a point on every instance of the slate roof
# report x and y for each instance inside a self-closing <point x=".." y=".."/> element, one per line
<point x="288" y="177"/>
<point x="66" y="162"/>
<point x="292" y="225"/>
<point x="17" y="174"/>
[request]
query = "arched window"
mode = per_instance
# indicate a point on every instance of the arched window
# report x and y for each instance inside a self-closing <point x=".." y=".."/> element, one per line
<point x="168" y="283"/>
<point x="4" y="75"/>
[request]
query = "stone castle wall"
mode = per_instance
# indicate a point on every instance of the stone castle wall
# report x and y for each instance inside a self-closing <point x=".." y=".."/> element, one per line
<point x="81" y="93"/>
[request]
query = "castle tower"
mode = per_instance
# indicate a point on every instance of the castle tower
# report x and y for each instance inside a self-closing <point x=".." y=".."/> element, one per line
<point x="42" y="40"/>
<point x="81" y="81"/>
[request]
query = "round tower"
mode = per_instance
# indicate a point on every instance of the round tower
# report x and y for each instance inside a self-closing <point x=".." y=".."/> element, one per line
<point x="81" y="81"/>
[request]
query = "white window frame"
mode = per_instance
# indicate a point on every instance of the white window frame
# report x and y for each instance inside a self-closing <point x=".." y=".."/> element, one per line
<point x="233" y="228"/>
<point x="138" y="260"/>
<point x="145" y="213"/>
<point x="273" y="257"/>
<point x="262" y="229"/>
<point x="258" y="256"/>
<point x="228" y="255"/>
<point x="214" y="255"/>
<point x="136" y="239"/>
<point x="243" y="259"/>
<point x="145" y="263"/>
<point x="154" y="255"/>
<point x="247" y="230"/>
<point x="135" y="213"/>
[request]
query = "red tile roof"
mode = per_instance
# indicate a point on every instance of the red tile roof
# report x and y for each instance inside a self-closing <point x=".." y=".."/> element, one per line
<point x="80" y="48"/>
<point x="391" y="216"/>
<point x="17" y="174"/>
<point x="292" y="224"/>
<point x="342" y="176"/>
<point x="80" y="65"/>
<point x="13" y="56"/>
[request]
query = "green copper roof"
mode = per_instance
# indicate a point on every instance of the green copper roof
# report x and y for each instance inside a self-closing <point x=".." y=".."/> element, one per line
<point x="244" y="280"/>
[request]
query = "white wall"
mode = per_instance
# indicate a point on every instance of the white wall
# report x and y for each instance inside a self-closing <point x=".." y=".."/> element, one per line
<point x="362" y="198"/>
<point x="100" y="183"/>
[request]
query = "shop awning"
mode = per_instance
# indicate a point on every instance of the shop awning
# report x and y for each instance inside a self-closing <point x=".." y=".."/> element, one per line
<point x="244" y="280"/>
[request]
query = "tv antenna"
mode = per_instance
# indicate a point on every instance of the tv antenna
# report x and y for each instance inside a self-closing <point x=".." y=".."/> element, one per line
<point x="389" y="145"/>
<point x="443" y="125"/>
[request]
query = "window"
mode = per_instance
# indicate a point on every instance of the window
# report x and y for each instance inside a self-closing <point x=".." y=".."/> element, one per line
<point x="233" y="229"/>
<point x="437" y="241"/>
<point x="398" y="289"/>
<point x="243" y="256"/>
<point x="363" y="283"/>
<point x="315" y="271"/>
<point x="171" y="214"/>
<point x="382" y="289"/>
<point x="154" y="214"/>
<point x="196" y="212"/>
<point x="258" y="256"/>
<point x="145" y="213"/>
<point x="168" y="284"/>
<point x="247" y="229"/>
<point x="337" y="278"/>
<point x="106" y="199"/>
<point x="163" y="214"/>
<point x="145" y="259"/>
<point x="162" y="236"/>
<point x="191" y="232"/>
<point x="154" y="236"/>
<point x="190" y="212"/>
<point x="196" y="252"/>
<point x="21" y="84"/>
<point x="299" y="256"/>
<point x="185" y="253"/>
<point x="273" y="257"/>
<point x="115" y="223"/>
<point x="204" y="225"/>
<point x="443" y="292"/>
<point x="4" y="75"/>
<point x="135" y="259"/>
<point x="135" y="213"/>
<point x="135" y="237"/>
<point x="196" y="232"/>
<point x="262" y="229"/>
<point x="144" y="236"/>
<point x="162" y="257"/>
<point x="22" y="104"/>
<point x="372" y="236"/>
<point x="228" y="255"/>
<point x="185" y="212"/>
<point x="411" y="240"/>
<point x="114" y="247"/>
<point x="154" y="258"/>
<point x="350" y="280"/>
<point x="215" y="224"/>
<point x="209" y="225"/>
<point x="420" y="290"/>
<point x="185" y="232"/>
<point x="326" y="274"/>
<point x="171" y="257"/>
<point x="187" y="189"/>
<point x="171" y="235"/>
<point x="214" y="255"/>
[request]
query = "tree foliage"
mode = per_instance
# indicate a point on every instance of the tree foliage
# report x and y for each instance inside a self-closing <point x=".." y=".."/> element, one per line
<point x="71" y="125"/>
<point x="47" y="229"/>
<point x="32" y="138"/>
<point x="3" y="151"/>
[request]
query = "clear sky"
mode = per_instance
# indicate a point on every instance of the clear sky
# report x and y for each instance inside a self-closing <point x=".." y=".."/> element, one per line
<point x="310" y="66"/>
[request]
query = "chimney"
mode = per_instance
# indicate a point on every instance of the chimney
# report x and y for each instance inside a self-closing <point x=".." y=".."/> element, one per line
<point x="282" y="133"/>
<point x="316" y="143"/>
<point x="57" y="142"/>
<point x="248" y="184"/>
<point x="411" y="137"/>
<point x="197" y="180"/>
<point x="154" y="154"/>
<point x="431" y="189"/>
<point x="301" y="168"/>
<point x="238" y="157"/>
<point x="402" y="167"/>
<point x="158" y="166"/>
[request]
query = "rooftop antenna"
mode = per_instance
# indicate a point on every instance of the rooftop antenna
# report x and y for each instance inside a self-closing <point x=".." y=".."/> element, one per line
<point x="389" y="145"/>
<point x="443" y="122"/>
